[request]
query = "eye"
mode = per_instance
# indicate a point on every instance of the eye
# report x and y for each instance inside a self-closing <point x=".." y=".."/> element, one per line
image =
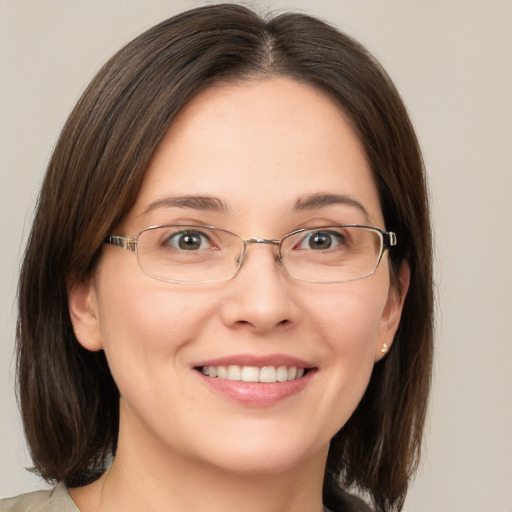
<point x="321" y="240"/>
<point x="189" y="240"/>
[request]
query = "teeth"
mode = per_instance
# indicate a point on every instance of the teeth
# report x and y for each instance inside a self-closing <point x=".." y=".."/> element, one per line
<point x="233" y="373"/>
<point x="292" y="373"/>
<point x="253" y="373"/>
<point x="268" y="374"/>
<point x="282" y="374"/>
<point x="250" y="374"/>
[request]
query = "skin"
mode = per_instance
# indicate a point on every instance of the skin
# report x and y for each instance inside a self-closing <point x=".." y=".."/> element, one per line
<point x="258" y="146"/>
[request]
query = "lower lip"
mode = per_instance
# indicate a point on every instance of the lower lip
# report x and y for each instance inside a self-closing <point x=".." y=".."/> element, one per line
<point x="257" y="394"/>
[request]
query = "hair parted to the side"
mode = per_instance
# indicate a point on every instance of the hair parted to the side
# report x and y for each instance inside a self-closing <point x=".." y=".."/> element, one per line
<point x="68" y="398"/>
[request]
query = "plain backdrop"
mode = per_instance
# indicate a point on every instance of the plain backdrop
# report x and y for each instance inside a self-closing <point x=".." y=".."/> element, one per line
<point x="451" y="61"/>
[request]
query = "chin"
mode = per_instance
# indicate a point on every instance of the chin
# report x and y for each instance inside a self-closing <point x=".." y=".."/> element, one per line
<point x="262" y="464"/>
<point x="267" y="454"/>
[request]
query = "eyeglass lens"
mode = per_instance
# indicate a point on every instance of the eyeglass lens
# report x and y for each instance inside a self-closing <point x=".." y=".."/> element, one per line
<point x="197" y="254"/>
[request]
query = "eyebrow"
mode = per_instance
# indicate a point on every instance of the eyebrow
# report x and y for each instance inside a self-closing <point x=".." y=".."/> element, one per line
<point x="206" y="203"/>
<point x="210" y="203"/>
<point x="320" y="200"/>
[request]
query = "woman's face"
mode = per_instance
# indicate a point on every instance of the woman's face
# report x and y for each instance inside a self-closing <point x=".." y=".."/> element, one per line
<point x="259" y="149"/>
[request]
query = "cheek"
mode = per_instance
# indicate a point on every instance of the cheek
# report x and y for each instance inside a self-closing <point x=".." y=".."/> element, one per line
<point x="353" y="344"/>
<point x="144" y="326"/>
<point x="349" y="323"/>
<point x="350" y="317"/>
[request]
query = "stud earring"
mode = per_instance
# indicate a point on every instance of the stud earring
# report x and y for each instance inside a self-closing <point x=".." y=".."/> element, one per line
<point x="384" y="348"/>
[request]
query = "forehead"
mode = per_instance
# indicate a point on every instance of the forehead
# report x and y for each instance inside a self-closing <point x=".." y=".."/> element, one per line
<point x="260" y="145"/>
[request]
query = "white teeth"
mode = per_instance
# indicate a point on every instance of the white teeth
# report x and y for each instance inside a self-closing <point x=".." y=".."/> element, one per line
<point x="253" y="373"/>
<point x="250" y="374"/>
<point x="234" y="373"/>
<point x="282" y="374"/>
<point x="268" y="374"/>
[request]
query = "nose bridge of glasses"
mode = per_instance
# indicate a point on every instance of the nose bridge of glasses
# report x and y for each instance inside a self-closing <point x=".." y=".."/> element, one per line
<point x="276" y="244"/>
<point x="262" y="241"/>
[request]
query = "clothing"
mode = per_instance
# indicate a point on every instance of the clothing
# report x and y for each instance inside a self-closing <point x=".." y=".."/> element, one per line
<point x="56" y="500"/>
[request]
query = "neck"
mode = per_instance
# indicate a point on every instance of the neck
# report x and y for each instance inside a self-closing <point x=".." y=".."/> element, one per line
<point x="149" y="475"/>
<point x="195" y="486"/>
<point x="148" y="478"/>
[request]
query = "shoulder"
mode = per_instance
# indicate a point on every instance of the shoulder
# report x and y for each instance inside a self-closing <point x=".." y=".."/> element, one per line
<point x="55" y="500"/>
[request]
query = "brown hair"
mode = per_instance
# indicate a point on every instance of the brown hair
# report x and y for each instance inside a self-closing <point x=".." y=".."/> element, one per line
<point x="68" y="398"/>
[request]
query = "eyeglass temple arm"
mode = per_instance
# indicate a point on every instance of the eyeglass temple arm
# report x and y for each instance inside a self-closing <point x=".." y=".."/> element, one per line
<point x="127" y="243"/>
<point x="389" y="239"/>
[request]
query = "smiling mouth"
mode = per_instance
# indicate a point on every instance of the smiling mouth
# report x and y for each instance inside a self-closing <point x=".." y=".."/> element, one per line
<point x="265" y="374"/>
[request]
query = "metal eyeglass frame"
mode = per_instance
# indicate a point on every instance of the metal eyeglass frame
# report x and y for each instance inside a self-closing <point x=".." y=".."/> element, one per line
<point x="388" y="238"/>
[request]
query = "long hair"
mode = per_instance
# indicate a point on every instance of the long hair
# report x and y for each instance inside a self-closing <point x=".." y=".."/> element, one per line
<point x="68" y="398"/>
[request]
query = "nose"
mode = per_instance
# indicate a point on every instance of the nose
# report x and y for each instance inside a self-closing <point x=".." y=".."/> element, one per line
<point x="260" y="297"/>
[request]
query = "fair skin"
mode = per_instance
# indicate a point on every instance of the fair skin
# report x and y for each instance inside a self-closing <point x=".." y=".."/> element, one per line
<point x="259" y="147"/>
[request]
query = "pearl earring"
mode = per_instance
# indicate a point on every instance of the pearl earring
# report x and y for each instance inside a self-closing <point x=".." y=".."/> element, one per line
<point x="384" y="348"/>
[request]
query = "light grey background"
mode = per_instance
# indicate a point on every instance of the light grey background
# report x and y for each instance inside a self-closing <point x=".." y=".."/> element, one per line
<point x="452" y="62"/>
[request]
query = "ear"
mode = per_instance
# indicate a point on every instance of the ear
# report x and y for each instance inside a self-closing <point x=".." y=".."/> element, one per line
<point x="392" y="313"/>
<point x="84" y="313"/>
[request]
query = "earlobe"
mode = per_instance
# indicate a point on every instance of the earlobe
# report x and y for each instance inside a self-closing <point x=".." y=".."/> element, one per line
<point x="84" y="313"/>
<point x="392" y="313"/>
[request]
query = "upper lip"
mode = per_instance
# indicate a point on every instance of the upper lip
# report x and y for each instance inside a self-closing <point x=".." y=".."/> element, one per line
<point x="256" y="360"/>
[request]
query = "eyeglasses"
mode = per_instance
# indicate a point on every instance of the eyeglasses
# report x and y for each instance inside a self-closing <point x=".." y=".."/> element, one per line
<point x="207" y="254"/>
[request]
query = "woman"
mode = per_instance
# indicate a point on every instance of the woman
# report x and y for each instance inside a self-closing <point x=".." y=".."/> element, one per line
<point x="226" y="298"/>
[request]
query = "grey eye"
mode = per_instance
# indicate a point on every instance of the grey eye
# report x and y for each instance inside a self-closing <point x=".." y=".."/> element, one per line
<point x="189" y="241"/>
<point x="321" y="240"/>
